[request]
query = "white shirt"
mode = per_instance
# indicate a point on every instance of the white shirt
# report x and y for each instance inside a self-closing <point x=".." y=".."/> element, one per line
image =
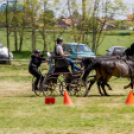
<point x="59" y="49"/>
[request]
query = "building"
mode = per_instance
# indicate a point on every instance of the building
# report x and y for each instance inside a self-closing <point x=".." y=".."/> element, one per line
<point x="130" y="17"/>
<point x="64" y="23"/>
<point x="107" y="25"/>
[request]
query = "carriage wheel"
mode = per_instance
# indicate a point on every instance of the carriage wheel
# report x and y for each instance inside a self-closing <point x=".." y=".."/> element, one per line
<point x="59" y="88"/>
<point x="38" y="93"/>
<point x="64" y="87"/>
<point x="77" y="87"/>
<point x="51" y="88"/>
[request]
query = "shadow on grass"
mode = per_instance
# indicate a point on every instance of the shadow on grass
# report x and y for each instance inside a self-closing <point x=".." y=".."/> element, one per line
<point x="31" y="96"/>
<point x="22" y="96"/>
<point x="89" y="96"/>
<point x="105" y="96"/>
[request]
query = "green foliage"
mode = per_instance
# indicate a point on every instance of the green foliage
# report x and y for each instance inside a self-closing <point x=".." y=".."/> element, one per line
<point x="39" y="18"/>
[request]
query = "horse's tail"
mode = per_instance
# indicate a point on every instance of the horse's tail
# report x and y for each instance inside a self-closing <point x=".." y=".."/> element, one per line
<point x="91" y="67"/>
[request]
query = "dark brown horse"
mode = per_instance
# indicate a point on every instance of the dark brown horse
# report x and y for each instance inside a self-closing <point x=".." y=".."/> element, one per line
<point x="106" y="67"/>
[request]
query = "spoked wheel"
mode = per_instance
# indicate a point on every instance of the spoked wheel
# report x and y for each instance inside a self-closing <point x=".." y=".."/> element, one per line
<point x="38" y="93"/>
<point x="51" y="86"/>
<point x="65" y="84"/>
<point x="58" y="88"/>
<point x="64" y="87"/>
<point x="77" y="87"/>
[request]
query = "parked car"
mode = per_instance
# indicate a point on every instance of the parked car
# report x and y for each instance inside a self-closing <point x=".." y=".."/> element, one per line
<point x="116" y="51"/>
<point x="78" y="51"/>
<point x="4" y="54"/>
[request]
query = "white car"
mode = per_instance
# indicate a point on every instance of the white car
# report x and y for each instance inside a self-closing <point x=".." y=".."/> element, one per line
<point x="4" y="54"/>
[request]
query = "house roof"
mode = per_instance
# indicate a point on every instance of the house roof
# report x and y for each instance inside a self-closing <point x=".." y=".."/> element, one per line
<point x="67" y="21"/>
<point x="106" y="22"/>
<point x="129" y="17"/>
<point x="103" y="21"/>
<point x="112" y="25"/>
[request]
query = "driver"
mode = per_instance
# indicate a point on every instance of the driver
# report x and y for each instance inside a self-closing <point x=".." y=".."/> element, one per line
<point x="35" y="62"/>
<point x="59" y="52"/>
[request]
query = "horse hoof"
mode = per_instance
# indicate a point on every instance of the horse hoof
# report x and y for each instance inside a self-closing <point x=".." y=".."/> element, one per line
<point x="107" y="95"/>
<point x="84" y="95"/>
<point x="110" y="88"/>
<point x="102" y="95"/>
<point x="125" y="87"/>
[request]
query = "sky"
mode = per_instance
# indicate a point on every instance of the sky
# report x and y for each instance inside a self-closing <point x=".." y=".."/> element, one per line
<point x="63" y="5"/>
<point x="122" y="16"/>
<point x="130" y="4"/>
<point x="129" y="1"/>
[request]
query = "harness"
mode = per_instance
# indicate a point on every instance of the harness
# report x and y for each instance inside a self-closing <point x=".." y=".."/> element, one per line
<point x="131" y="70"/>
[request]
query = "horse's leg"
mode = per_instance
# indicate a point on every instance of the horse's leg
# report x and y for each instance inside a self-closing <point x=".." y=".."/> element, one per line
<point x="129" y="85"/>
<point x="132" y="82"/>
<point x="105" y="82"/>
<point x="91" y="84"/>
<point x="109" y="87"/>
<point x="103" y="88"/>
<point x="98" y="85"/>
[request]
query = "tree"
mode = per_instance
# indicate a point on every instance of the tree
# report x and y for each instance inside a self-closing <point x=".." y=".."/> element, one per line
<point x="46" y="21"/>
<point x="89" y="25"/>
<point x="32" y="9"/>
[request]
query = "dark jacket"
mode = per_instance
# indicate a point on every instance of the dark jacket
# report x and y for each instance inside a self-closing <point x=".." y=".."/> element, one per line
<point x="36" y="61"/>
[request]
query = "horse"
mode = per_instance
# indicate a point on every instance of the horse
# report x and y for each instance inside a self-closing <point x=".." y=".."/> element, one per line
<point x="106" y="67"/>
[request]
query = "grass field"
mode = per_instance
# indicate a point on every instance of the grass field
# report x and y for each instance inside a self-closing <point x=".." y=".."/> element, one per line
<point x="21" y="112"/>
<point x="113" y="38"/>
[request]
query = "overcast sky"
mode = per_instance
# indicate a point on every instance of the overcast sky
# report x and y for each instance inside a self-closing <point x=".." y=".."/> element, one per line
<point x="130" y="4"/>
<point x="129" y="1"/>
<point x="123" y="15"/>
<point x="63" y="5"/>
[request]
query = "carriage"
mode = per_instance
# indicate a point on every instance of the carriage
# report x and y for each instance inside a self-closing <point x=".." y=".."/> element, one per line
<point x="59" y="78"/>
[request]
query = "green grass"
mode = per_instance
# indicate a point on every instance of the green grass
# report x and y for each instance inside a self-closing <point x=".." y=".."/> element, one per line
<point x="22" y="112"/>
<point x="28" y="113"/>
<point x="106" y="44"/>
<point x="22" y="55"/>
<point x="121" y="38"/>
<point x="115" y="41"/>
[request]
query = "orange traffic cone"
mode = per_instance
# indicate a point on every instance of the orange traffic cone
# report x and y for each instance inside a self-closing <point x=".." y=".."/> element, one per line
<point x="129" y="100"/>
<point x="67" y="100"/>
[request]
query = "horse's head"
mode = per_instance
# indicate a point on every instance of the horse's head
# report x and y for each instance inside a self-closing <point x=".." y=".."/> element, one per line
<point x="132" y="47"/>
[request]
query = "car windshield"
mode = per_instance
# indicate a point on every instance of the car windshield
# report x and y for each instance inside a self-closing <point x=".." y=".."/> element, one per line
<point x="81" y="48"/>
<point x="119" y="50"/>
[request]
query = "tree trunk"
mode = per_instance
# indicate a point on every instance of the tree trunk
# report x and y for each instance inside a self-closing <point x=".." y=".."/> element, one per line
<point x="15" y="39"/>
<point x="21" y="43"/>
<point x="8" y="43"/>
<point x="44" y="38"/>
<point x="33" y="39"/>
<point x="83" y="18"/>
